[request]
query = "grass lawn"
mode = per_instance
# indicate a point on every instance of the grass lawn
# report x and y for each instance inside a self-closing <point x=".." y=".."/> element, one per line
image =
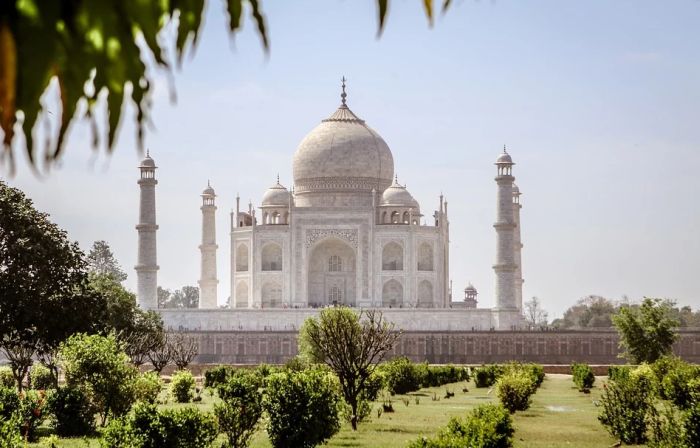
<point x="560" y="416"/>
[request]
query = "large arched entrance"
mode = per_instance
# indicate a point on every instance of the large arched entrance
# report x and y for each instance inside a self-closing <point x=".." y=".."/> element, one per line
<point x="332" y="274"/>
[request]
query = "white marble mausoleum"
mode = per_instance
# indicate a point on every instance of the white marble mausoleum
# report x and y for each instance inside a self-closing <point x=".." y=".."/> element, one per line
<point x="347" y="232"/>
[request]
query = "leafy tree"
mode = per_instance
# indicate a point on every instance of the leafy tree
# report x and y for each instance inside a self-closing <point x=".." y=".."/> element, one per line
<point x="351" y="344"/>
<point x="187" y="297"/>
<point x="98" y="364"/>
<point x="646" y="332"/>
<point x="101" y="261"/>
<point x="535" y="315"/>
<point x="163" y="297"/>
<point x="43" y="283"/>
<point x="90" y="48"/>
<point x="241" y="409"/>
<point x="589" y="312"/>
<point x="303" y="408"/>
<point x="162" y="354"/>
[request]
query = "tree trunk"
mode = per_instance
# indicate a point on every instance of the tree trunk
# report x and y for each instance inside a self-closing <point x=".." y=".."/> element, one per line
<point x="353" y="419"/>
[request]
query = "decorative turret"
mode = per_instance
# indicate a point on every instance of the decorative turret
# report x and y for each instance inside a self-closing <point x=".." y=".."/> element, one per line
<point x="505" y="266"/>
<point x="208" y="281"/>
<point x="470" y="294"/>
<point x="518" y="246"/>
<point x="275" y="204"/>
<point x="397" y="206"/>
<point x="147" y="264"/>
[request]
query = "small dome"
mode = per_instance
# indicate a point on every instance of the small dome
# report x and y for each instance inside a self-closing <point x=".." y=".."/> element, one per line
<point x="516" y="190"/>
<point x="397" y="196"/>
<point x="504" y="158"/>
<point x="470" y="288"/>
<point x="277" y="195"/>
<point x="148" y="162"/>
<point x="209" y="191"/>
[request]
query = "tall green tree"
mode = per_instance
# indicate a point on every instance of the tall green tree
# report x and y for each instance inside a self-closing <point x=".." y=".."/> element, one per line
<point x="43" y="282"/>
<point x="646" y="332"/>
<point x="90" y="48"/>
<point x="101" y="261"/>
<point x="351" y="344"/>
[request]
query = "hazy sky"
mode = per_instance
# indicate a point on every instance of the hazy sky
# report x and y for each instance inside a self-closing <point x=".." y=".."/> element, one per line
<point x="598" y="102"/>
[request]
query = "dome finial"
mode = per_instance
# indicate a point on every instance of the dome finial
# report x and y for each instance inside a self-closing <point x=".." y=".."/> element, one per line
<point x="208" y="183"/>
<point x="396" y="178"/>
<point x="343" y="95"/>
<point x="504" y="149"/>
<point x="148" y="152"/>
<point x="278" y="177"/>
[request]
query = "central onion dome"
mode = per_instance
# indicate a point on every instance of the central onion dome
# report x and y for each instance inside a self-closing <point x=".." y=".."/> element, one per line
<point x="341" y="161"/>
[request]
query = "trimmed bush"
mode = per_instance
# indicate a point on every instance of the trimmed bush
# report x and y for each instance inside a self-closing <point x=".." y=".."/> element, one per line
<point x="99" y="365"/>
<point x="217" y="375"/>
<point x="583" y="376"/>
<point x="72" y="411"/>
<point x="182" y="386"/>
<point x="680" y="385"/>
<point x="617" y="372"/>
<point x="487" y="426"/>
<point x="240" y="412"/>
<point x="514" y="389"/>
<point x="147" y="427"/>
<point x="6" y="377"/>
<point x="9" y="433"/>
<point x="625" y="405"/>
<point x="486" y="376"/>
<point x="436" y="376"/>
<point x="303" y="408"/>
<point x="147" y="387"/>
<point x="9" y="402"/>
<point x="41" y="377"/>
<point x="691" y="425"/>
<point x="402" y="376"/>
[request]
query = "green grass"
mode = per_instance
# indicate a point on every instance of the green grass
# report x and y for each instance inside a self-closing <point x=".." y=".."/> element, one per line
<point x="560" y="416"/>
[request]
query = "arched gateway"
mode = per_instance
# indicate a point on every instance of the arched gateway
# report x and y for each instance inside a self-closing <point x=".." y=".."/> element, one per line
<point x="332" y="273"/>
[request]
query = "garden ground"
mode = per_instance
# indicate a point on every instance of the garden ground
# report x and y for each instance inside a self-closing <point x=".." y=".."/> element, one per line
<point x="560" y="416"/>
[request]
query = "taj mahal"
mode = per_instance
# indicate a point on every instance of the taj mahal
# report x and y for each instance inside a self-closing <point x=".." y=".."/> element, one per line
<point x="347" y="232"/>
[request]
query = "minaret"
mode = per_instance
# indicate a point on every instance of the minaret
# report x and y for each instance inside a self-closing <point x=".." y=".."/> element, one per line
<point x="518" y="249"/>
<point x="147" y="264"/>
<point x="208" y="282"/>
<point x="505" y="266"/>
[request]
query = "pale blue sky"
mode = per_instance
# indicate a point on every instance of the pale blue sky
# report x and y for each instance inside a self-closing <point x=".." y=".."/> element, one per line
<point x="598" y="102"/>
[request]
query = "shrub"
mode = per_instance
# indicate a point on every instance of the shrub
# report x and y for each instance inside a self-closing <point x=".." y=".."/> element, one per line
<point x="487" y="426"/>
<point x="182" y="386"/>
<point x="218" y="375"/>
<point x="679" y="385"/>
<point x="99" y="365"/>
<point x="625" y="405"/>
<point x="303" y="408"/>
<point x="10" y="436"/>
<point x="514" y="390"/>
<point x="147" y="427"/>
<point x="41" y="377"/>
<point x="32" y="406"/>
<point x="402" y="376"/>
<point x="147" y="386"/>
<point x="6" y="377"/>
<point x="486" y="376"/>
<point x="72" y="411"/>
<point x="9" y="402"/>
<point x="617" y="372"/>
<point x="582" y="376"/>
<point x="241" y="409"/>
<point x="436" y="376"/>
<point x="691" y="425"/>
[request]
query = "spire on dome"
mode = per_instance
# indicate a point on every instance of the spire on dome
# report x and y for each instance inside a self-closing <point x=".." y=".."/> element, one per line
<point x="343" y="95"/>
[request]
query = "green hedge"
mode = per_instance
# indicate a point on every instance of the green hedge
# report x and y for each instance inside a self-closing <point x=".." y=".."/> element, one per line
<point x="487" y="426"/>
<point x="583" y="376"/>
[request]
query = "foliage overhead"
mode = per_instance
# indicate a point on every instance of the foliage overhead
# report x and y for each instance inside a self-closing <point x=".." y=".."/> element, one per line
<point x="646" y="332"/>
<point x="351" y="344"/>
<point x="100" y="50"/>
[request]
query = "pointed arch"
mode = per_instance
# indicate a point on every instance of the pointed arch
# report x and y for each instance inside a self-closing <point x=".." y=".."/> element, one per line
<point x="425" y="294"/>
<point x="271" y="258"/>
<point x="392" y="294"/>
<point x="425" y="257"/>
<point x="392" y="257"/>
<point x="242" y="258"/>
